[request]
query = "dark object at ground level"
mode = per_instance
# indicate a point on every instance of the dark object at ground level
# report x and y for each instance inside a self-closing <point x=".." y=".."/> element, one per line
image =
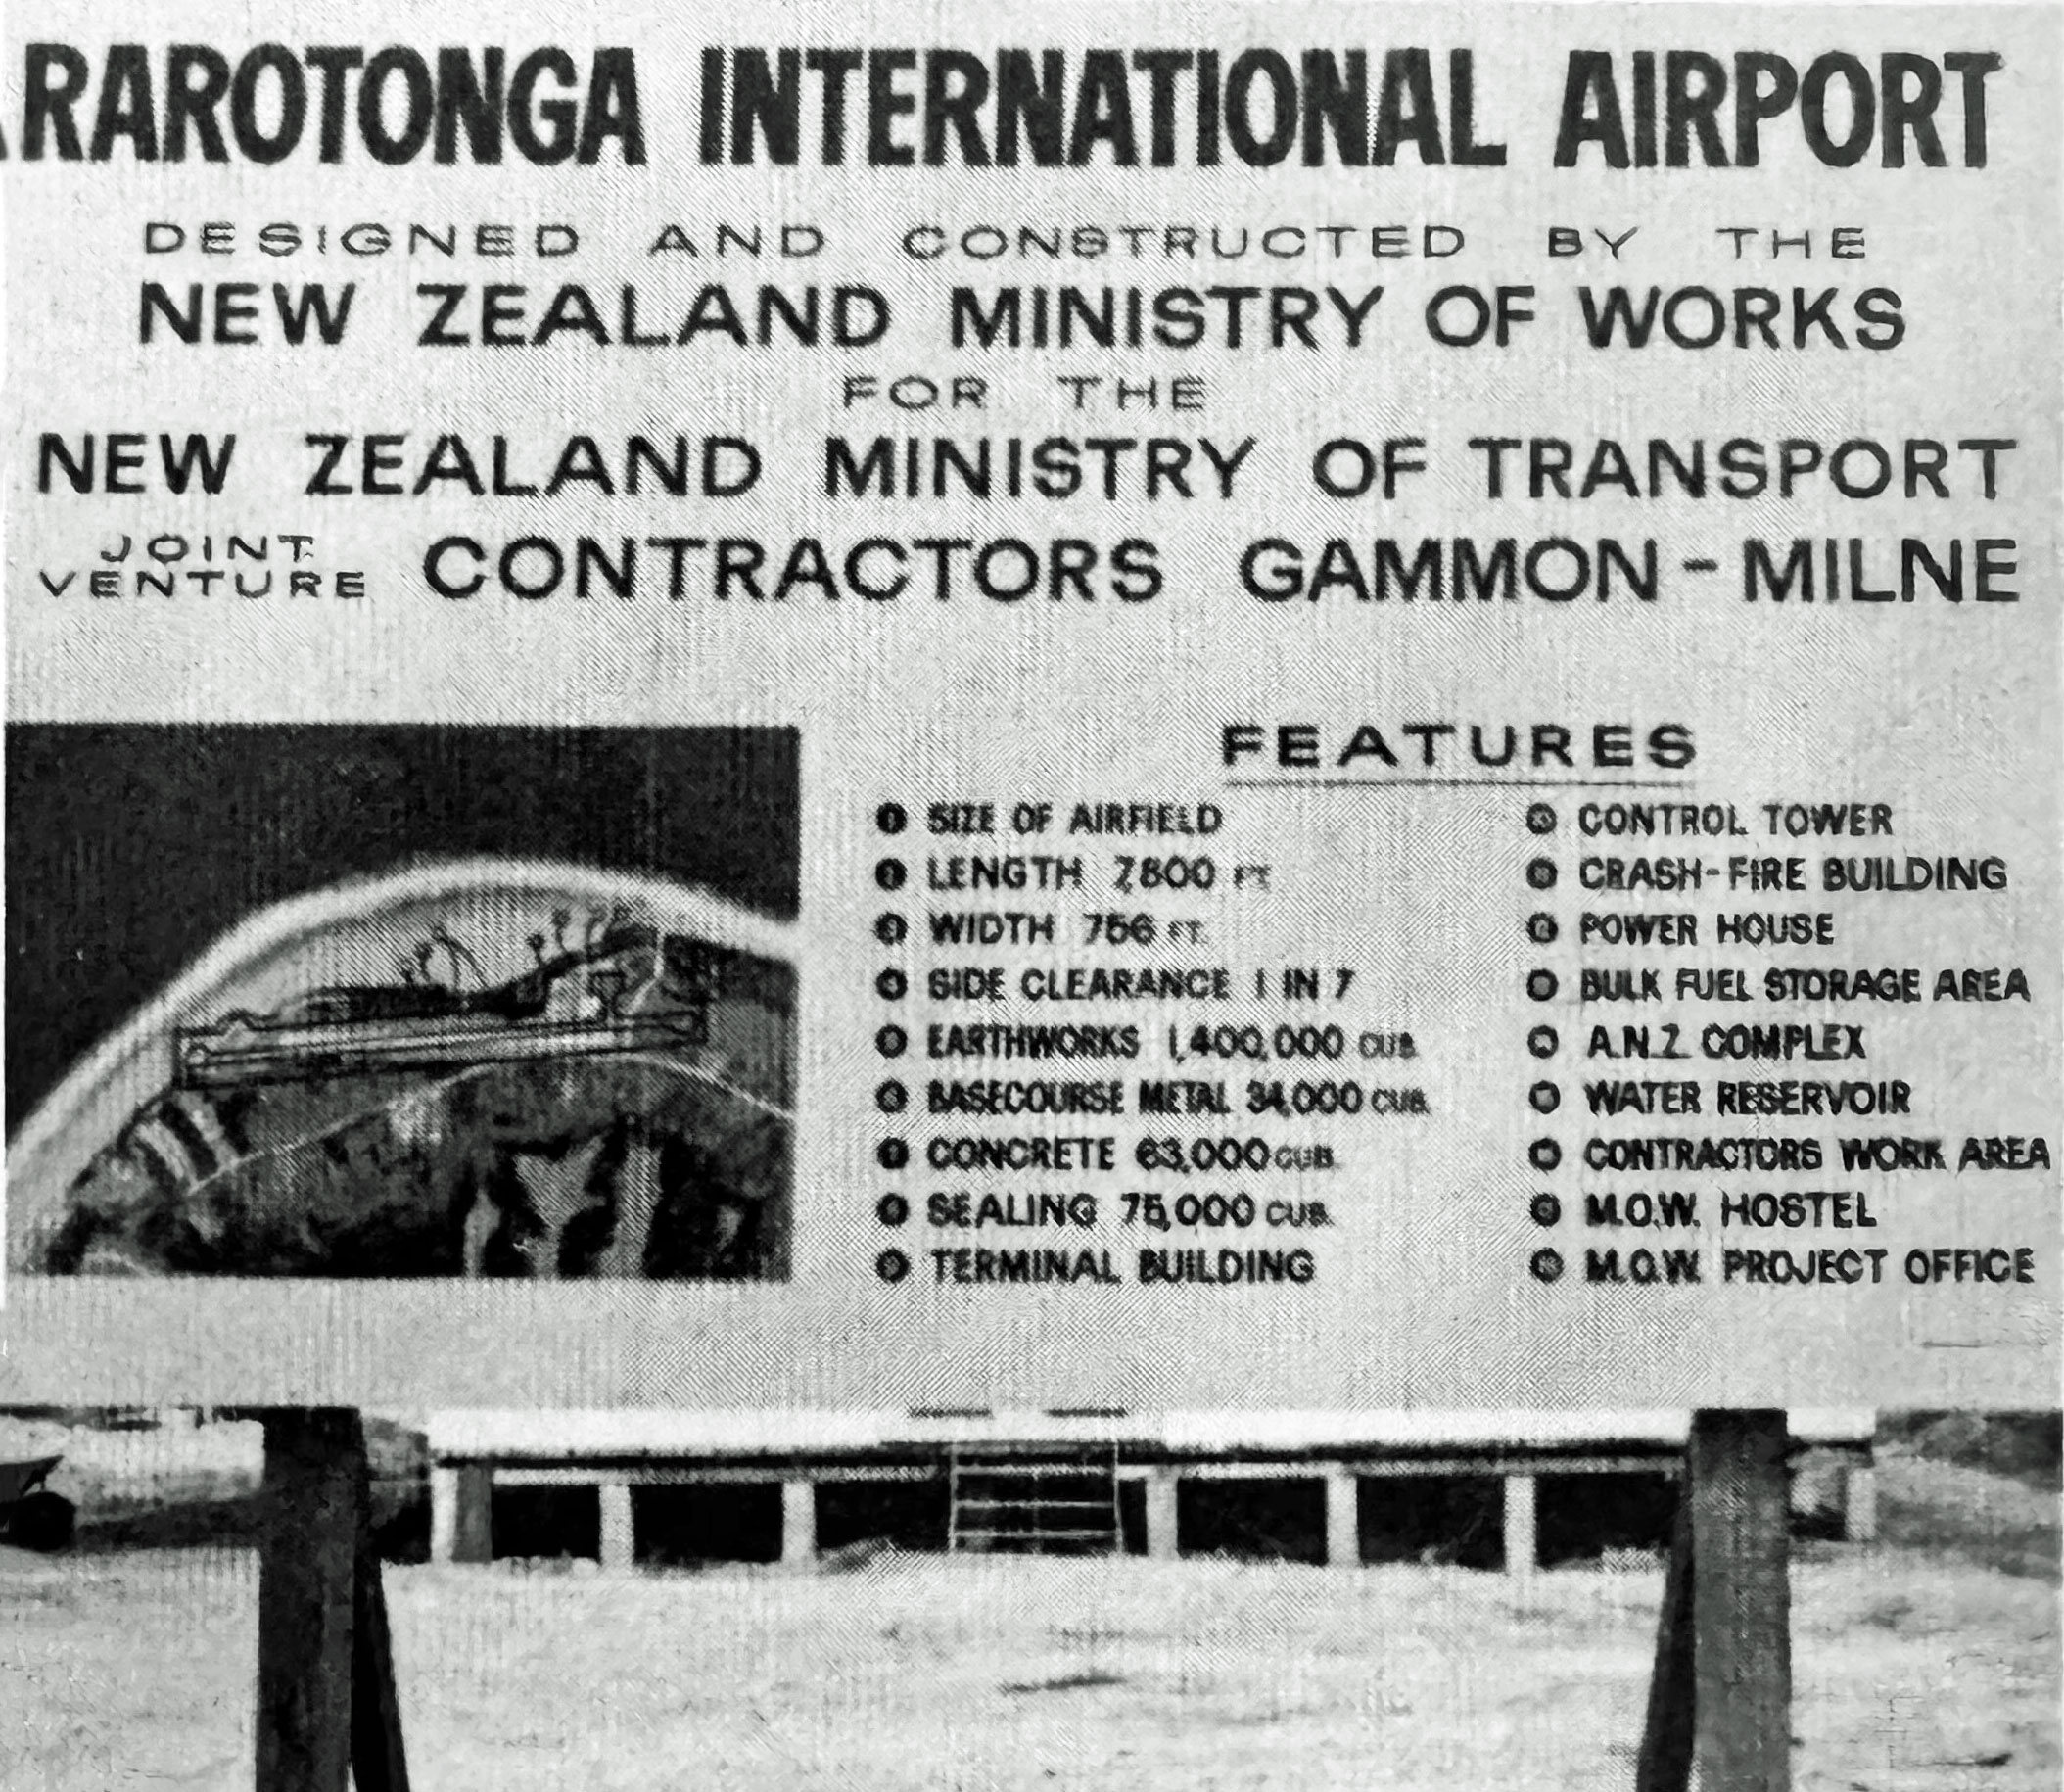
<point x="31" y="1517"/>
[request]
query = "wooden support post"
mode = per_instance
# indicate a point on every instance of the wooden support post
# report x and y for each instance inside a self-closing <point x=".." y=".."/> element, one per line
<point x="1859" y="1502"/>
<point x="326" y="1699"/>
<point x="1163" y="1544"/>
<point x="1523" y="1549"/>
<point x="444" y="1514"/>
<point x="1742" y="1613"/>
<point x="798" y="1521"/>
<point x="379" y="1762"/>
<point x="618" y="1539"/>
<point x="473" y="1523"/>
<point x="1665" y="1762"/>
<point x="1343" y="1520"/>
<point x="1722" y="1689"/>
<point x="308" y="1596"/>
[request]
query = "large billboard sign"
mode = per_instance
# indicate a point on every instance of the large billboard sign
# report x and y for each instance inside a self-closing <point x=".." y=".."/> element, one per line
<point x="1193" y="707"/>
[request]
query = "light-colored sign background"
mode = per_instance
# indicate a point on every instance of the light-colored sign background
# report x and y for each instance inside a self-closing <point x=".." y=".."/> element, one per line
<point x="1948" y="713"/>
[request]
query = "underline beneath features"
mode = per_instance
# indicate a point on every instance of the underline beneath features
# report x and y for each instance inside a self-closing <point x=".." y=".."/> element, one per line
<point x="1454" y="783"/>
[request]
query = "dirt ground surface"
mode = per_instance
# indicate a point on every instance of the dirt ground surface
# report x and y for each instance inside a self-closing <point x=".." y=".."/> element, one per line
<point x="1913" y="1669"/>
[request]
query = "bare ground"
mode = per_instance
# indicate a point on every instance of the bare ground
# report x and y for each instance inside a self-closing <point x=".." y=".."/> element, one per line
<point x="1914" y="1667"/>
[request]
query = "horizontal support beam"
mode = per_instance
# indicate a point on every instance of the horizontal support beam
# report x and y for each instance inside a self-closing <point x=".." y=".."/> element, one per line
<point x="695" y="1474"/>
<point x="576" y="1473"/>
<point x="532" y="1468"/>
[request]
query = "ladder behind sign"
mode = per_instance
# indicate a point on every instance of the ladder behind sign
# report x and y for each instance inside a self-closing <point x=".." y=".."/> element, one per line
<point x="1035" y="1499"/>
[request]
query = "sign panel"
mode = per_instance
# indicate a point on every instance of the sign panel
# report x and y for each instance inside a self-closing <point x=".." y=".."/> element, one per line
<point x="1194" y="708"/>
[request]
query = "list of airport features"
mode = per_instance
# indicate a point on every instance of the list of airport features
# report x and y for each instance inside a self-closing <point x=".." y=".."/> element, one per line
<point x="1722" y="1072"/>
